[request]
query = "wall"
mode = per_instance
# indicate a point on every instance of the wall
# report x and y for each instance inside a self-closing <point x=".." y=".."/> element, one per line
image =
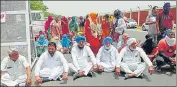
<point x="144" y="14"/>
<point x="135" y="16"/>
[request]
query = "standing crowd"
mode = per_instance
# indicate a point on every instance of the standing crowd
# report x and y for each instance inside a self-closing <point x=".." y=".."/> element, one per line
<point x="105" y="43"/>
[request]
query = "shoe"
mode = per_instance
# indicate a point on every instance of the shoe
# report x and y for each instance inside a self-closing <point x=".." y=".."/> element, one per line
<point x="91" y="74"/>
<point x="126" y="77"/>
<point x="141" y="76"/>
<point x="76" y="76"/>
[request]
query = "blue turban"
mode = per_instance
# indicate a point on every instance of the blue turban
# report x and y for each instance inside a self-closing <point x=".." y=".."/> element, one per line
<point x="166" y="8"/>
<point x="166" y="5"/>
<point x="80" y="38"/>
<point x="65" y="36"/>
<point x="107" y="39"/>
<point x="65" y="41"/>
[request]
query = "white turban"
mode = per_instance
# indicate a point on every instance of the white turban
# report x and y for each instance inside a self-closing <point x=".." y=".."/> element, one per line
<point x="130" y="41"/>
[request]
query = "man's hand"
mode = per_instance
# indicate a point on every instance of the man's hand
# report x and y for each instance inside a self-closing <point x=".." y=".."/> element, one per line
<point x="65" y="76"/>
<point x="100" y="68"/>
<point x="28" y="81"/>
<point x="150" y="56"/>
<point x="117" y="71"/>
<point x="151" y="69"/>
<point x="38" y="79"/>
<point x="81" y="72"/>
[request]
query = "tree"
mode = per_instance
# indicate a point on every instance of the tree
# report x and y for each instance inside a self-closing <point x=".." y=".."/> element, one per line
<point x="38" y="5"/>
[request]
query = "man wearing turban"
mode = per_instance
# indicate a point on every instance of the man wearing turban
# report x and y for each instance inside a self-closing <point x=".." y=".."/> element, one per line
<point x="164" y="21"/>
<point x="80" y="54"/>
<point x="130" y="60"/>
<point x="167" y="51"/>
<point x="107" y="56"/>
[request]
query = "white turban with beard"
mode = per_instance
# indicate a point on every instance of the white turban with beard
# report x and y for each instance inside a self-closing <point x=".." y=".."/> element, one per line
<point x="130" y="41"/>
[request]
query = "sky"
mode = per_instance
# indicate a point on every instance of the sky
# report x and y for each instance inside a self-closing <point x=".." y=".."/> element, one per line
<point x="81" y="8"/>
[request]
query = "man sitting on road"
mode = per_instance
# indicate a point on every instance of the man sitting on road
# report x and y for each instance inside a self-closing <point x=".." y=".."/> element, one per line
<point x="51" y="65"/>
<point x="167" y="51"/>
<point x="107" y="56"/>
<point x="15" y="70"/>
<point x="123" y="43"/>
<point x="80" y="54"/>
<point x="150" y="47"/>
<point x="130" y="60"/>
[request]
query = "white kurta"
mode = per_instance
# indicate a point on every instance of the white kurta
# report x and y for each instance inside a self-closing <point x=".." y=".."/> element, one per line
<point x="51" y="67"/>
<point x="107" y="59"/>
<point x="14" y="73"/>
<point x="130" y="61"/>
<point x="80" y="59"/>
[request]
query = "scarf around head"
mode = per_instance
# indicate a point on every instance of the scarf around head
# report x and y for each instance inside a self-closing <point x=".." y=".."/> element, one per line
<point x="42" y="41"/>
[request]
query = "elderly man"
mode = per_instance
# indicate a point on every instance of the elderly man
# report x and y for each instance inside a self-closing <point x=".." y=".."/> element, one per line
<point x="130" y="62"/>
<point x="123" y="43"/>
<point x="107" y="56"/>
<point x="15" y="70"/>
<point x="51" y="65"/>
<point x="80" y="54"/>
<point x="167" y="51"/>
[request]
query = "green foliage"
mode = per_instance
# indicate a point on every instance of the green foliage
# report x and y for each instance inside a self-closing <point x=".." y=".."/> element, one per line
<point x="38" y="5"/>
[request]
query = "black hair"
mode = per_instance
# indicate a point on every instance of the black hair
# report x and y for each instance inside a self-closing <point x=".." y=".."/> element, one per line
<point x="155" y="7"/>
<point x="106" y="15"/>
<point x="148" y="36"/>
<point x="52" y="44"/>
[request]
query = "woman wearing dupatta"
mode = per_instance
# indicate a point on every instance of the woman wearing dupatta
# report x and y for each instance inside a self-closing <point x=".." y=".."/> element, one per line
<point x="91" y="32"/>
<point x="73" y="26"/>
<point x="65" y="27"/>
<point x="41" y="45"/>
<point x="66" y="43"/>
<point x="47" y="26"/>
<point x="105" y="26"/>
<point x="56" y="28"/>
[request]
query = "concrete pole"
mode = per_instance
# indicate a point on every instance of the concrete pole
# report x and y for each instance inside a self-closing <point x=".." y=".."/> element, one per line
<point x="138" y="15"/>
<point x="130" y="13"/>
<point x="150" y="10"/>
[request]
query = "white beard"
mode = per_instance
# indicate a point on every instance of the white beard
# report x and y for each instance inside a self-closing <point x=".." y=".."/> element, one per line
<point x="107" y="48"/>
<point x="170" y="41"/>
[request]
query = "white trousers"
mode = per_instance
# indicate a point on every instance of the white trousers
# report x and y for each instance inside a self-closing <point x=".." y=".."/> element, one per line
<point x="51" y="73"/>
<point x="7" y="80"/>
<point x="137" y="69"/>
<point x="86" y="69"/>
<point x="107" y="67"/>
